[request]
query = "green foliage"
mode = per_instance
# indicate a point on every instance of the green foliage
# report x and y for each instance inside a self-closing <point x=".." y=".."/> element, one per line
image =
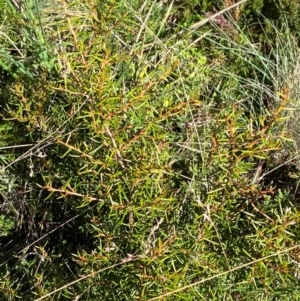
<point x="140" y="165"/>
<point x="6" y="225"/>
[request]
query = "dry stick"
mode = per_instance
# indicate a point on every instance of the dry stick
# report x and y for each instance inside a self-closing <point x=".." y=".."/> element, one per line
<point x="125" y="260"/>
<point x="132" y="258"/>
<point x="43" y="143"/>
<point x="204" y="21"/>
<point x="149" y="30"/>
<point x="151" y="237"/>
<point x="50" y="232"/>
<point x="144" y="23"/>
<point x="15" y="146"/>
<point x="200" y="23"/>
<point x="277" y="167"/>
<point x="42" y="237"/>
<point x="118" y="153"/>
<point x="192" y="27"/>
<point x="223" y="273"/>
<point x="40" y="145"/>
<point x="53" y="230"/>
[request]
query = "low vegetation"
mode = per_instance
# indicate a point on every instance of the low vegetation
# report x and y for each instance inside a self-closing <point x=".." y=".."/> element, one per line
<point x="149" y="150"/>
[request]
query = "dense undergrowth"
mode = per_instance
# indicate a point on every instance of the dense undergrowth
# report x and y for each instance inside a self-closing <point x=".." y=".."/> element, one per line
<point x="147" y="156"/>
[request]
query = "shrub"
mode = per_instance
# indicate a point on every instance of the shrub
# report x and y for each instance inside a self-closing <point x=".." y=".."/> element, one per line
<point x="141" y="164"/>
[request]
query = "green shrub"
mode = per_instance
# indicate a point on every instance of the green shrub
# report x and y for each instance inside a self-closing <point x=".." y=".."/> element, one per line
<point x="141" y="164"/>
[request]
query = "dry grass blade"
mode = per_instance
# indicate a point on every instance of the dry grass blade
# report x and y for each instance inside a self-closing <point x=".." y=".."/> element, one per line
<point x="222" y="274"/>
<point x="211" y="18"/>
<point x="124" y="261"/>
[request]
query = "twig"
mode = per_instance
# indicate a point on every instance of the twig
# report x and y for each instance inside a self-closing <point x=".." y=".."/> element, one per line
<point x="46" y="141"/>
<point x="183" y="288"/>
<point x="151" y="236"/>
<point x="125" y="260"/>
<point x="118" y="153"/>
<point x="210" y="18"/>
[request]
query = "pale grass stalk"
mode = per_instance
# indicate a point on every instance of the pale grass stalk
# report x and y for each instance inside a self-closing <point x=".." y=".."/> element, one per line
<point x="223" y="273"/>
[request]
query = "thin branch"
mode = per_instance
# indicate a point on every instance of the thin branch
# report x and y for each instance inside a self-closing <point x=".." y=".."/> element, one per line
<point x="223" y="273"/>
